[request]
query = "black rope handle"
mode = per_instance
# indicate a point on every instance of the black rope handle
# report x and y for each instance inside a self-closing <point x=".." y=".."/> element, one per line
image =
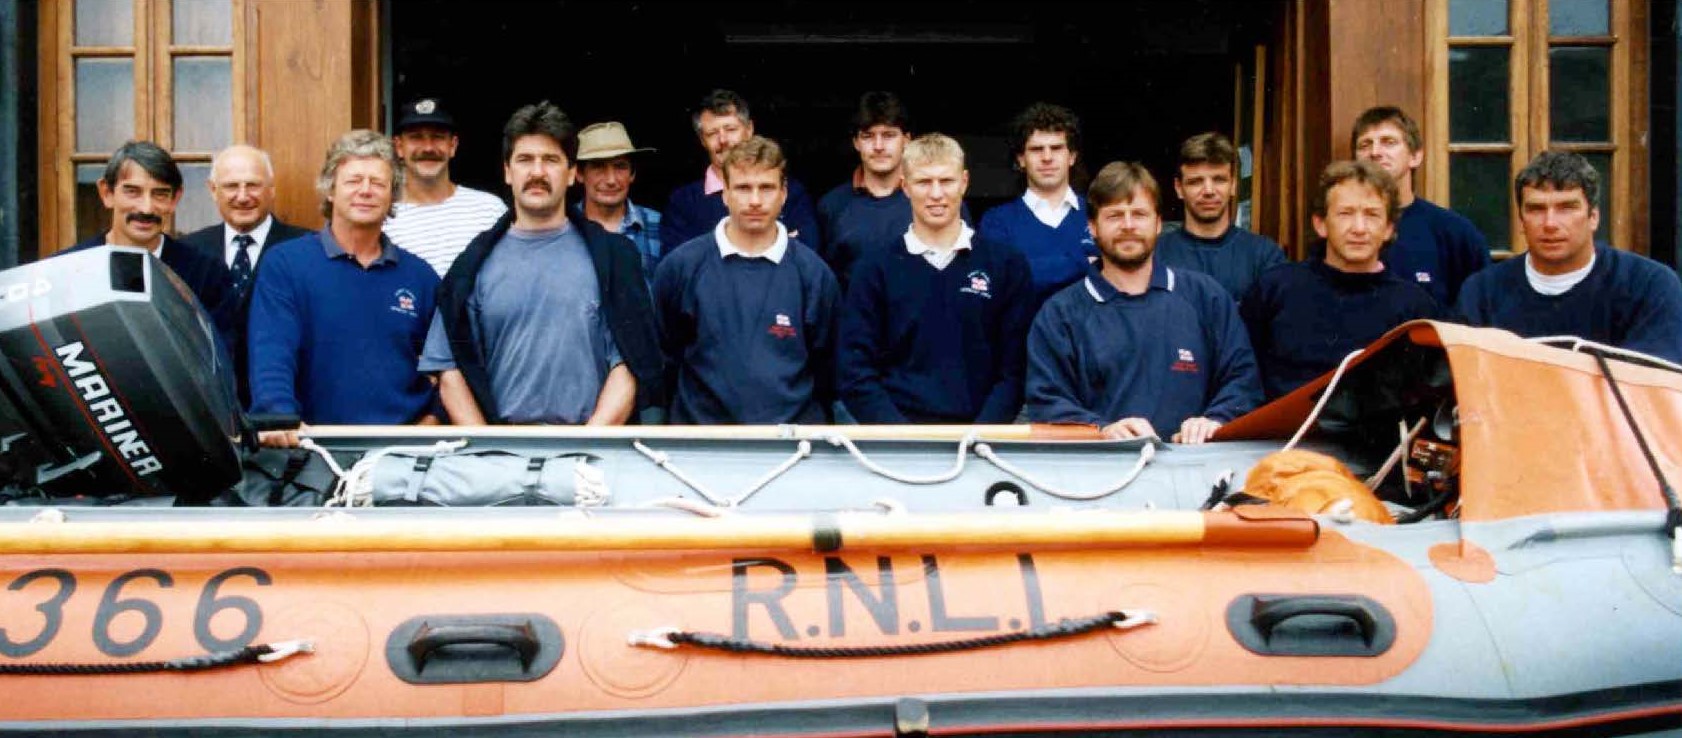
<point x="1061" y="629"/>
<point x="217" y="660"/>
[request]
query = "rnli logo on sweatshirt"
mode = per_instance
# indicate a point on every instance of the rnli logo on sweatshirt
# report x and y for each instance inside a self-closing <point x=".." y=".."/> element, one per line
<point x="405" y="303"/>
<point x="782" y="327"/>
<point x="1185" y="363"/>
<point x="1422" y="277"/>
<point x="979" y="284"/>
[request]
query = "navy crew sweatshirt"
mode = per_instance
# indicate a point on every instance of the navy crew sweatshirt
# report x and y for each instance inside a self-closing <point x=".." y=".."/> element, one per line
<point x="1178" y="351"/>
<point x="1627" y="300"/>
<point x="751" y="340"/>
<point x="927" y="345"/>
<point x="691" y="212"/>
<point x="1234" y="258"/>
<point x="1436" y="248"/>
<point x="1306" y="317"/>
<point x="333" y="342"/>
<point x="1056" y="256"/>
<point x="856" y="222"/>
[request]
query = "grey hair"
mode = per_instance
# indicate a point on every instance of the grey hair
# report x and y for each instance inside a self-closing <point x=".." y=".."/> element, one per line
<point x="358" y="144"/>
<point x="263" y="156"/>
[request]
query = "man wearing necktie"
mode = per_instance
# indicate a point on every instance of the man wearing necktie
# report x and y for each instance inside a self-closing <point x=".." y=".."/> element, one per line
<point x="242" y="184"/>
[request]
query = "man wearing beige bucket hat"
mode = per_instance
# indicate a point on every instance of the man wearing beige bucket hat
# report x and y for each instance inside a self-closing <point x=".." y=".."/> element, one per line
<point x="606" y="172"/>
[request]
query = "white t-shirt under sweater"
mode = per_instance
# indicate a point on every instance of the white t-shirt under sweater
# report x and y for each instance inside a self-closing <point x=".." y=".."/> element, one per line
<point x="438" y="233"/>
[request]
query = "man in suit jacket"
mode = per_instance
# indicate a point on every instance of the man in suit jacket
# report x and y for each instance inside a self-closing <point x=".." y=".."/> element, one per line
<point x="242" y="184"/>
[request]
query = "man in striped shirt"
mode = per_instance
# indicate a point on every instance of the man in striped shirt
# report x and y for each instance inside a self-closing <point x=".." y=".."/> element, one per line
<point x="436" y="218"/>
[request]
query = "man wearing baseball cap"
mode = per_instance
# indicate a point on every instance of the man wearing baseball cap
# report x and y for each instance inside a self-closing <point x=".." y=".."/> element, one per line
<point x="435" y="218"/>
<point x="606" y="171"/>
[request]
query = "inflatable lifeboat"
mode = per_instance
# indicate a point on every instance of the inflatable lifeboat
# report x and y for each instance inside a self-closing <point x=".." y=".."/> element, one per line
<point x="1470" y="533"/>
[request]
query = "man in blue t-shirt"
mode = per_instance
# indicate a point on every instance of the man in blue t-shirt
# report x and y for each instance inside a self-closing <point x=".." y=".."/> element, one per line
<point x="1137" y="345"/>
<point x="1045" y="224"/>
<point x="1209" y="242"/>
<point x="1434" y="247"/>
<point x="747" y="312"/>
<point x="338" y="317"/>
<point x="721" y="121"/>
<point x="1305" y="317"/>
<point x="544" y="318"/>
<point x="934" y="326"/>
<point x="1566" y="284"/>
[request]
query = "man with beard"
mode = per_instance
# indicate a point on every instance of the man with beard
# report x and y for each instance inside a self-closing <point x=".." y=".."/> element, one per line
<point x="1305" y="317"/>
<point x="1137" y="345"/>
<point x="544" y="318"/>
<point x="933" y="330"/>
<point x="747" y="312"/>
<point x="435" y="217"/>
<point x="870" y="212"/>
<point x="1045" y="223"/>
<point x="1210" y="242"/>
<point x="692" y="211"/>
<point x="338" y="316"/>
<point x="1434" y="247"/>
<point x="141" y="187"/>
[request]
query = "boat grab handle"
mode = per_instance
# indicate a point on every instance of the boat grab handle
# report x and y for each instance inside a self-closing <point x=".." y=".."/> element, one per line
<point x="458" y="649"/>
<point x="1311" y="625"/>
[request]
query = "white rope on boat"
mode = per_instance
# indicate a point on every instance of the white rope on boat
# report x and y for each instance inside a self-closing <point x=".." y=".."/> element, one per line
<point x="1578" y="344"/>
<point x="664" y="461"/>
<point x="1146" y="453"/>
<point x="838" y="439"/>
<point x="1396" y="456"/>
<point x="356" y="485"/>
<point x="1324" y="396"/>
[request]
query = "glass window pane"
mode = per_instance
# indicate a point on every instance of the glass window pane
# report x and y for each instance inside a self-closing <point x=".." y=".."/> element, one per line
<point x="1480" y="188"/>
<point x="1477" y="17"/>
<point x="91" y="217"/>
<point x="1580" y="93"/>
<point x="104" y="103"/>
<point x="104" y="22"/>
<point x="1603" y="163"/>
<point x="1477" y="82"/>
<point x="202" y="23"/>
<point x="197" y="208"/>
<point x="1579" y="18"/>
<point x="204" y="105"/>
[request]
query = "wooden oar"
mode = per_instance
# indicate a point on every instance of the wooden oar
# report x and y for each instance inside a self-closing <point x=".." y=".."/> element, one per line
<point x="1021" y="432"/>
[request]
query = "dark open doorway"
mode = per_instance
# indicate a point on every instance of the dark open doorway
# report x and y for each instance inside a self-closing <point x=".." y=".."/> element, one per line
<point x="1143" y="76"/>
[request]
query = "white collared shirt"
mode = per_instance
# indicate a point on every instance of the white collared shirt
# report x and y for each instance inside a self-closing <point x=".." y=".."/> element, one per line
<point x="1049" y="212"/>
<point x="773" y="254"/>
<point x="258" y="234"/>
<point x="939" y="258"/>
<point x="1556" y="284"/>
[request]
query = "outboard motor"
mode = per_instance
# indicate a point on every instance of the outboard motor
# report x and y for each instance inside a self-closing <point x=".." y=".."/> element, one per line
<point x="115" y="382"/>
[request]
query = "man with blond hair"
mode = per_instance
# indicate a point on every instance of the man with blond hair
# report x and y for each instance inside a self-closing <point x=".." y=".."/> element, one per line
<point x="747" y="312"/>
<point x="339" y="316"/>
<point x="1137" y="345"/>
<point x="933" y="331"/>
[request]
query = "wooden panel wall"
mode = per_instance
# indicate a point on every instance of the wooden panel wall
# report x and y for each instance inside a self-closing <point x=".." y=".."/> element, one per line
<point x="1377" y="57"/>
<point x="310" y="84"/>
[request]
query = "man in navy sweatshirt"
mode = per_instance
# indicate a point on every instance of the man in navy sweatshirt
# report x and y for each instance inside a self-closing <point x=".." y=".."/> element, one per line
<point x="338" y="317"/>
<point x="746" y="312"/>
<point x="1566" y="284"/>
<point x="934" y="330"/>
<point x="721" y="121"/>
<point x="1138" y="345"/>
<point x="1210" y="242"/>
<point x="1305" y="317"/>
<point x="1045" y="224"/>
<point x="1434" y="246"/>
<point x="545" y="317"/>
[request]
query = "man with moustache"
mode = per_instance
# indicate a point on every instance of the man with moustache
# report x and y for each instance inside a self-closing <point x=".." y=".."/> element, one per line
<point x="338" y="317"/>
<point x="1565" y="284"/>
<point x="721" y="121"/>
<point x="141" y="187"/>
<point x="1209" y="242"/>
<point x="606" y="170"/>
<point x="1138" y="345"/>
<point x="933" y="331"/>
<point x="242" y="184"/>
<point x="1305" y="317"/>
<point x="1045" y="223"/>
<point x="435" y="218"/>
<point x="747" y="313"/>
<point x="544" y="318"/>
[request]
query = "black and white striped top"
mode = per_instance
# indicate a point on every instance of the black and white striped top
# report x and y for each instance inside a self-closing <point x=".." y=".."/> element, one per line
<point x="438" y="233"/>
